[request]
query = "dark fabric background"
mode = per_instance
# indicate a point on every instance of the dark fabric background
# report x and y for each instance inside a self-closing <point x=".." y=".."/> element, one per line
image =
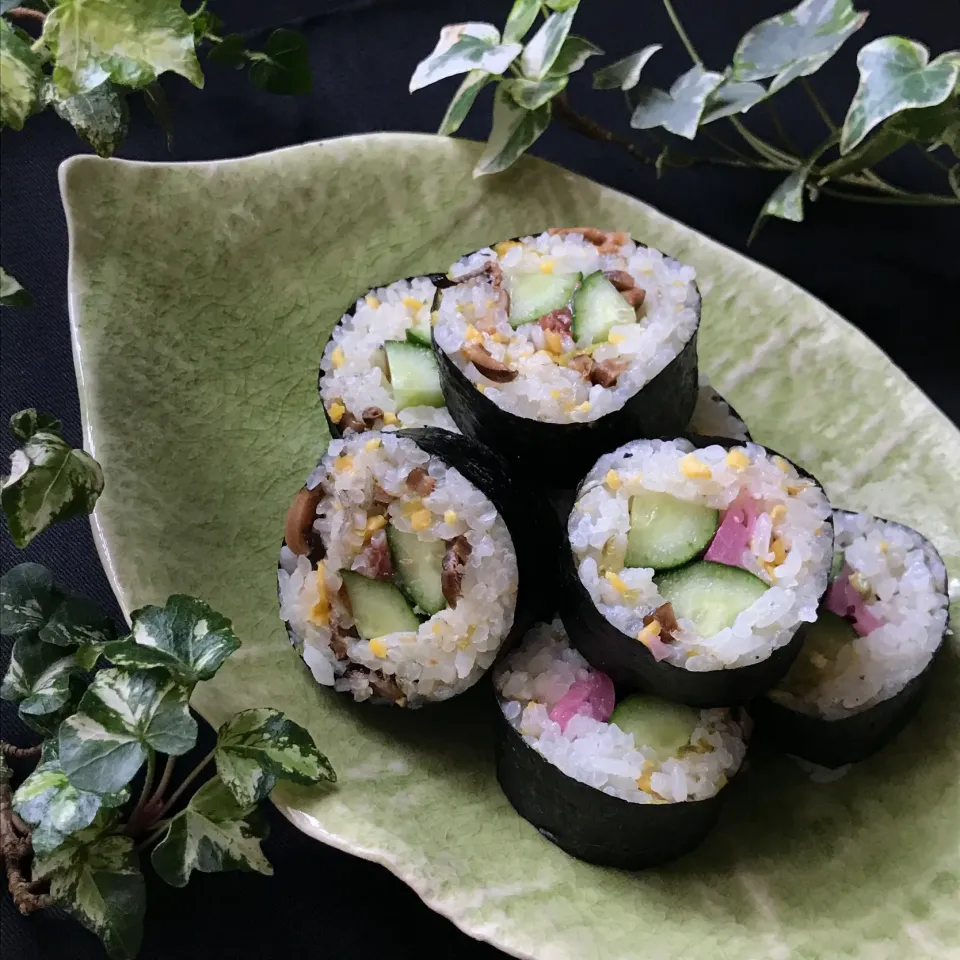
<point x="893" y="271"/>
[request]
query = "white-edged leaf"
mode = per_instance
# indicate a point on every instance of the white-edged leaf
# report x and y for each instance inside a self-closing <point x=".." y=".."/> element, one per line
<point x="678" y="111"/>
<point x="27" y="598"/>
<point x="895" y="74"/>
<point x="130" y="42"/>
<point x="121" y="717"/>
<point x="545" y="45"/>
<point x="20" y="77"/>
<point x="462" y="101"/>
<point x="514" y="131"/>
<point x="12" y="292"/>
<point x="796" y="43"/>
<point x="30" y="659"/>
<point x="257" y="747"/>
<point x="25" y="423"/>
<point x="77" y="620"/>
<point x="100" y="116"/>
<point x="49" y="689"/>
<point x="625" y="73"/>
<point x="786" y="202"/>
<point x="520" y="20"/>
<point x="53" y="806"/>
<point x="574" y="53"/>
<point x="463" y="47"/>
<point x="531" y="94"/>
<point x="186" y="638"/>
<point x="732" y="96"/>
<point x="211" y="835"/>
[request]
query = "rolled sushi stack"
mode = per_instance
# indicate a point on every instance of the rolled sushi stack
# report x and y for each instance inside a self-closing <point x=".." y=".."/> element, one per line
<point x="698" y="582"/>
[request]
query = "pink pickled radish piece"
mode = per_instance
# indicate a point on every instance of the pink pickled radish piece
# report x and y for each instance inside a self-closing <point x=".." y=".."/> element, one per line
<point x="734" y="533"/>
<point x="658" y="648"/>
<point x="593" y="697"/>
<point x="843" y="600"/>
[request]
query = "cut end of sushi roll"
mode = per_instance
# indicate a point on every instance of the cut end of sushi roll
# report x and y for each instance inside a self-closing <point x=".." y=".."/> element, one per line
<point x="691" y="568"/>
<point x="628" y="782"/>
<point x="398" y="578"/>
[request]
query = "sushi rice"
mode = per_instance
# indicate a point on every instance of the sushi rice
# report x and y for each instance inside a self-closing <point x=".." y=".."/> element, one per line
<point x="535" y="676"/>
<point x="790" y="549"/>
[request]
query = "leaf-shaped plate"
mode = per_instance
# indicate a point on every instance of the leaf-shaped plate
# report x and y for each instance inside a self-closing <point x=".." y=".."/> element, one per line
<point x="201" y="295"/>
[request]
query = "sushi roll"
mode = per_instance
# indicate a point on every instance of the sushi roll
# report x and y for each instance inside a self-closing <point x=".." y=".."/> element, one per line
<point x="865" y="663"/>
<point x="690" y="566"/>
<point x="625" y="782"/>
<point x="407" y="564"/>
<point x="555" y="348"/>
<point x="377" y="371"/>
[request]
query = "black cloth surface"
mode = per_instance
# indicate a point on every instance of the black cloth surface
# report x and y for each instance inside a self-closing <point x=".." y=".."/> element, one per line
<point x="892" y="271"/>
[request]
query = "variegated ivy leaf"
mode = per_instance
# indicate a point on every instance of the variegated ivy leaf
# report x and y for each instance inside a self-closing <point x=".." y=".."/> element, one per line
<point x="30" y="659"/>
<point x="77" y="620"/>
<point x="130" y="42"/>
<point x="560" y="5"/>
<point x="625" y="73"/>
<point x="531" y="94"/>
<point x="953" y="176"/>
<point x="255" y="748"/>
<point x="27" y="598"/>
<point x="463" y="47"/>
<point x="211" y="835"/>
<point x="732" y="96"/>
<point x="462" y="101"/>
<point x="896" y="74"/>
<point x="514" y="131"/>
<point x="678" y="111"/>
<point x="545" y="45"/>
<point x="12" y="293"/>
<point x="520" y="20"/>
<point x="25" y="423"/>
<point x="100" y="116"/>
<point x="20" y="77"/>
<point x="53" y="806"/>
<point x="121" y="717"/>
<point x="786" y="202"/>
<point x="572" y="56"/>
<point x="284" y="66"/>
<point x="796" y="43"/>
<point x="96" y="878"/>
<point x="49" y="481"/>
<point x="187" y="638"/>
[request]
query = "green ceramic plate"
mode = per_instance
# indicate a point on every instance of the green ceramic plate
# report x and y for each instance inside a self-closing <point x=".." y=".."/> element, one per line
<point x="200" y="298"/>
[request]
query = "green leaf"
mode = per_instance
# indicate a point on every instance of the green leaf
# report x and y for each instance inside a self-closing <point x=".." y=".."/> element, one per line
<point x="732" y="96"/>
<point x="205" y="23"/>
<point x="211" y="835"/>
<point x="531" y="94"/>
<point x="12" y="293"/>
<point x="27" y="598"/>
<point x="257" y="747"/>
<point x="97" y="880"/>
<point x="928" y="125"/>
<point x="786" y="202"/>
<point x="20" y="79"/>
<point x="514" y="130"/>
<point x="77" y="620"/>
<point x="130" y="42"/>
<point x="463" y="47"/>
<point x="287" y="67"/>
<point x="462" y="101"/>
<point x="796" y="43"/>
<point x="159" y="107"/>
<point x="25" y="423"/>
<point x="678" y="111"/>
<point x="186" y="638"/>
<point x="544" y="47"/>
<point x="625" y="73"/>
<point x="53" y="806"/>
<point x="895" y="75"/>
<point x="953" y="176"/>
<point x="30" y="660"/>
<point x="866" y="154"/>
<point x="48" y="482"/>
<point x="121" y="717"/>
<point x="561" y="5"/>
<point x="101" y="116"/>
<point x="231" y="52"/>
<point x="50" y="691"/>
<point x="572" y="56"/>
<point x="520" y="20"/>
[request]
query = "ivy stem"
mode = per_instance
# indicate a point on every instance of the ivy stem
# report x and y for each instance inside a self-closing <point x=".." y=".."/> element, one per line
<point x="147" y="788"/>
<point x="19" y="753"/>
<point x="27" y="12"/>
<point x="785" y="137"/>
<point x="190" y="777"/>
<point x="681" y="33"/>
<point x="905" y="200"/>
<point x="153" y="836"/>
<point x="157" y="797"/>
<point x="589" y="128"/>
<point x="818" y="105"/>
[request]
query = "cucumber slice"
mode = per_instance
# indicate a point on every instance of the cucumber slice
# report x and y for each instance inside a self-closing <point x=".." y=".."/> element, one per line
<point x="418" y="564"/>
<point x="598" y="307"/>
<point x="413" y="374"/>
<point x="662" y="726"/>
<point x="378" y="606"/>
<point x="666" y="532"/>
<point x="421" y="332"/>
<point x="836" y="565"/>
<point x="822" y="644"/>
<point x="710" y="594"/>
<point x="534" y="294"/>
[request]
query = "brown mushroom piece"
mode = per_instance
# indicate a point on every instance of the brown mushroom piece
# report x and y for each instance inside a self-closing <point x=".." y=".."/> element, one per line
<point x="420" y="482"/>
<point x="559" y="321"/>
<point x="634" y="296"/>
<point x="349" y="422"/>
<point x="371" y="415"/>
<point x="490" y="367"/>
<point x="620" y="279"/>
<point x="583" y="364"/>
<point x="298" y="527"/>
<point x="451" y="571"/>
<point x="667" y="619"/>
<point x="606" y="373"/>
<point x="374" y="560"/>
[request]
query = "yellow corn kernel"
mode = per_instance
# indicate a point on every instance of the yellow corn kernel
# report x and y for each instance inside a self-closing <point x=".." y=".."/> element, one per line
<point x="374" y="524"/>
<point x="553" y="341"/>
<point x="643" y="781"/>
<point x="501" y="248"/>
<point x="616" y="582"/>
<point x="412" y="302"/>
<point x="343" y="463"/>
<point x="500" y="338"/>
<point x="771" y="569"/>
<point x="778" y="512"/>
<point x="336" y="411"/>
<point x="738" y="460"/>
<point x="320" y="612"/>
<point x="434" y="317"/>
<point x="547" y="264"/>
<point x="389" y="418"/>
<point x="554" y="394"/>
<point x="482" y="387"/>
<point x="795" y="488"/>
<point x="782" y="464"/>
<point x="584" y="407"/>
<point x="337" y="358"/>
<point x="450" y="516"/>
<point x="378" y="648"/>
<point x="612" y="479"/>
<point x="614" y="337"/>
<point x="421" y="519"/>
<point x="884" y="546"/>
<point x="372" y="443"/>
<point x="371" y="301"/>
<point x="651" y="630"/>
<point x="778" y="550"/>
<point x="472" y="334"/>
<point x="691" y="467"/>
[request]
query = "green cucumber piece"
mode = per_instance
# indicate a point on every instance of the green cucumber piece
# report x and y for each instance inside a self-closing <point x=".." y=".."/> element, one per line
<point x="710" y="594"/>
<point x="836" y="565"/>
<point x="418" y="565"/>
<point x="421" y="332"/>
<point x="378" y="606"/>
<point x="662" y="726"/>
<point x="598" y="307"/>
<point x="822" y="644"/>
<point x="413" y="375"/>
<point x="666" y="532"/>
<point x="534" y="294"/>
